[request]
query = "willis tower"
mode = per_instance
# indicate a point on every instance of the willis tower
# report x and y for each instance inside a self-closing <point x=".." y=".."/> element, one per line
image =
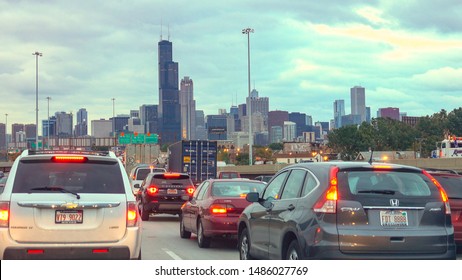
<point x="169" y="103"/>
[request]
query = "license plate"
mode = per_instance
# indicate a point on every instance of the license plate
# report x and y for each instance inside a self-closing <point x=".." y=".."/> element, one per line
<point x="393" y="218"/>
<point x="172" y="191"/>
<point x="69" y="216"/>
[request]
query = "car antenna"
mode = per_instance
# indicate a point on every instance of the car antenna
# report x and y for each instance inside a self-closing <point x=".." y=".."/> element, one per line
<point x="370" y="159"/>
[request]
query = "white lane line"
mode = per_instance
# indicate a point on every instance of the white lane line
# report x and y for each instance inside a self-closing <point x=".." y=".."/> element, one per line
<point x="171" y="254"/>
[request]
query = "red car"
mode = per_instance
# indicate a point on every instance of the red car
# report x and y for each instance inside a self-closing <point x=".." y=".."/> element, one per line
<point x="452" y="184"/>
<point x="215" y="208"/>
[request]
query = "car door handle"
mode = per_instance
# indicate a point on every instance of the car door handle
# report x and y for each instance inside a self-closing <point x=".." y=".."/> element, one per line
<point x="291" y="207"/>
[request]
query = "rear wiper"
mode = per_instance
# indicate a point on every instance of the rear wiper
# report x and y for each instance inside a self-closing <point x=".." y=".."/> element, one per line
<point x="59" y="189"/>
<point x="378" y="191"/>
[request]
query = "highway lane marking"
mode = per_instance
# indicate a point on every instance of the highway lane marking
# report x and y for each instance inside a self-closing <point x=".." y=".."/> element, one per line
<point x="171" y="254"/>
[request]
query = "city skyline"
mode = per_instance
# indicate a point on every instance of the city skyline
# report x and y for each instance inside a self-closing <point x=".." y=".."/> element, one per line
<point x="299" y="52"/>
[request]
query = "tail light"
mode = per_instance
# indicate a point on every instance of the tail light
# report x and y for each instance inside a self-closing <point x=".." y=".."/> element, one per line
<point x="444" y="196"/>
<point x="221" y="209"/>
<point x="67" y="159"/>
<point x="132" y="214"/>
<point x="152" y="190"/>
<point x="190" y="190"/>
<point x="4" y="214"/>
<point x="328" y="201"/>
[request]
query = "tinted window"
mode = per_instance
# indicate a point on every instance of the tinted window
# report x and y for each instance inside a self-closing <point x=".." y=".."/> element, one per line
<point x="76" y="177"/>
<point x="235" y="189"/>
<point x="376" y="182"/>
<point x="310" y="184"/>
<point x="294" y="184"/>
<point x="451" y="184"/>
<point x="142" y="173"/>
<point x="275" y="186"/>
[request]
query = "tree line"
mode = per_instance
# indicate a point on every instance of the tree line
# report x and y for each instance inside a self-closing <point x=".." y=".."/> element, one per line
<point x="385" y="134"/>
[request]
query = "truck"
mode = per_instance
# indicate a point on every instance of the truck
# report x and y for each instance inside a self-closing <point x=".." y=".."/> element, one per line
<point x="450" y="147"/>
<point x="198" y="158"/>
<point x="136" y="154"/>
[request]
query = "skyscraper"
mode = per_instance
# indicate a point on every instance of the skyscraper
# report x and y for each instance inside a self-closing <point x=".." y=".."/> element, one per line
<point x="339" y="111"/>
<point x="188" y="109"/>
<point x="358" y="102"/>
<point x="81" y="128"/>
<point x="169" y="104"/>
<point x="149" y="118"/>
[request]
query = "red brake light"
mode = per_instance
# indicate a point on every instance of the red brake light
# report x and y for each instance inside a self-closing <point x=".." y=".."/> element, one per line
<point x="190" y="190"/>
<point x="172" y="175"/>
<point x="328" y="202"/>
<point x="152" y="190"/>
<point x="69" y="159"/>
<point x="35" y="251"/>
<point x="444" y="196"/>
<point x="132" y="214"/>
<point x="221" y="209"/>
<point x="4" y="214"/>
<point x="100" y="251"/>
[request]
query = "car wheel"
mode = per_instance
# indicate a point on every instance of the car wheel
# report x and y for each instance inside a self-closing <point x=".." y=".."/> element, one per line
<point x="143" y="213"/>
<point x="244" y="245"/>
<point x="293" y="252"/>
<point x="183" y="232"/>
<point x="202" y="240"/>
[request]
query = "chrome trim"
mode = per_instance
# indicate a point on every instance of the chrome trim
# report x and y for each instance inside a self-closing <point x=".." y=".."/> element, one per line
<point x="66" y="205"/>
<point x="394" y="208"/>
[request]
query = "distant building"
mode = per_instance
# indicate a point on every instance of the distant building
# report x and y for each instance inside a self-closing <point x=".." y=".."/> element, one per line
<point x="339" y="111"/>
<point x="358" y="102"/>
<point x="289" y="131"/>
<point x="389" y="112"/>
<point x="216" y="127"/>
<point x="276" y="119"/>
<point x="15" y="128"/>
<point x="412" y="121"/>
<point x="149" y="118"/>
<point x="81" y="128"/>
<point x="188" y="109"/>
<point x="101" y="128"/>
<point x="30" y="130"/>
<point x="64" y="125"/>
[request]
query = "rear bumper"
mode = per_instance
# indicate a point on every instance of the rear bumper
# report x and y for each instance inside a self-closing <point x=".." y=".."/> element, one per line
<point x="160" y="206"/>
<point x="218" y="226"/>
<point x="129" y="247"/>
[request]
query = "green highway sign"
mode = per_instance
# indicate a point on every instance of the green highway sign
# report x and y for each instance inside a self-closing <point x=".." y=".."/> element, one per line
<point x="139" y="138"/>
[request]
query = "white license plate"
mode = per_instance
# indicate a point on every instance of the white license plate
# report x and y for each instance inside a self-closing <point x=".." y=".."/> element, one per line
<point x="393" y="218"/>
<point x="172" y="191"/>
<point x="69" y="216"/>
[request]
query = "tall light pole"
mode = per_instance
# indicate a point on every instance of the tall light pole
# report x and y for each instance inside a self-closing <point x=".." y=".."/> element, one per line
<point x="6" y="136"/>
<point x="113" y="116"/>
<point x="37" y="54"/>
<point x="247" y="31"/>
<point x="48" y="122"/>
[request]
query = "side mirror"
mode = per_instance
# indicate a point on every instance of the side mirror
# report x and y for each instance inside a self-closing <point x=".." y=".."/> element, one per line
<point x="252" y="197"/>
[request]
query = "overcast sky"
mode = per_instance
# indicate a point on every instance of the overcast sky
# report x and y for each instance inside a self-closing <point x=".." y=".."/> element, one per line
<point x="304" y="54"/>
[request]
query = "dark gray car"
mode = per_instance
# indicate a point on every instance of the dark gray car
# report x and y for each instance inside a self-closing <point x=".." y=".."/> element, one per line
<point x="348" y="210"/>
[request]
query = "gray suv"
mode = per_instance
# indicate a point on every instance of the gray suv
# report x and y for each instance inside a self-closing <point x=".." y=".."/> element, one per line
<point x="68" y="205"/>
<point x="348" y="210"/>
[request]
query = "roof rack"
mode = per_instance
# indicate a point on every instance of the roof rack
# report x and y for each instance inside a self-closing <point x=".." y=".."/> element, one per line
<point x="48" y="152"/>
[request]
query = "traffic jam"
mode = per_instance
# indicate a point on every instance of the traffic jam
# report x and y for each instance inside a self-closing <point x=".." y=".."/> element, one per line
<point x="87" y="205"/>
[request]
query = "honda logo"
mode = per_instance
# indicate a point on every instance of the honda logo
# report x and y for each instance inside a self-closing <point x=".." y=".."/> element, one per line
<point x="394" y="202"/>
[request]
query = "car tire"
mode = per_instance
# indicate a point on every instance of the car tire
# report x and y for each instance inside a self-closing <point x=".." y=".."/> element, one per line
<point x="244" y="245"/>
<point x="144" y="214"/>
<point x="183" y="232"/>
<point x="202" y="240"/>
<point x="293" y="251"/>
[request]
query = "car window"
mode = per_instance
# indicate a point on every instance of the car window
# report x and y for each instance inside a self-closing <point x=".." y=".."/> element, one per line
<point x="142" y="173"/>
<point x="293" y="184"/>
<point x="273" y="188"/>
<point x="87" y="178"/>
<point x="399" y="183"/>
<point x="235" y="189"/>
<point x="310" y="184"/>
<point x="451" y="184"/>
<point x="203" y="190"/>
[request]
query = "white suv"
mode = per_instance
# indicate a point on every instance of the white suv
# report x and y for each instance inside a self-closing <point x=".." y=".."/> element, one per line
<point x="68" y="205"/>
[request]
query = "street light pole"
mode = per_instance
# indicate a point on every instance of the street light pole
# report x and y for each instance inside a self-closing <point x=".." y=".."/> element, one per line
<point x="6" y="136"/>
<point x="37" y="54"/>
<point x="247" y="31"/>
<point x="48" y="122"/>
<point x="113" y="117"/>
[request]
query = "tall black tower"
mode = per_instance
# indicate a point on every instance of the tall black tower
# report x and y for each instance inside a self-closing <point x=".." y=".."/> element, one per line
<point x="169" y="103"/>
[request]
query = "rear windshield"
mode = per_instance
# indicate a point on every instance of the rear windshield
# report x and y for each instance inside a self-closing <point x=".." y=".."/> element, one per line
<point x="142" y="173"/>
<point x="88" y="177"/>
<point x="451" y="184"/>
<point x="369" y="183"/>
<point x="236" y="189"/>
<point x="229" y="175"/>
